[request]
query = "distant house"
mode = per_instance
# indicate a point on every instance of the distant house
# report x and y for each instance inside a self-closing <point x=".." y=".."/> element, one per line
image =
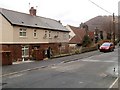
<point x="28" y="35"/>
<point x="77" y="34"/>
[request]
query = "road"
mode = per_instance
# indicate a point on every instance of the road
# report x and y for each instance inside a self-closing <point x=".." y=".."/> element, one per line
<point x="96" y="71"/>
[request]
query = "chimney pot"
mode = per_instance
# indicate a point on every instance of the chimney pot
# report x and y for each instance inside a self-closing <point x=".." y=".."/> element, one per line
<point x="32" y="11"/>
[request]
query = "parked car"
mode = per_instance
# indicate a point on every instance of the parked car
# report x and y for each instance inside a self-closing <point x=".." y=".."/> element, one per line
<point x="107" y="46"/>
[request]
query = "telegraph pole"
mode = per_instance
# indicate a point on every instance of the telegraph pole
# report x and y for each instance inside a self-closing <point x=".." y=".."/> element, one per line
<point x="113" y="29"/>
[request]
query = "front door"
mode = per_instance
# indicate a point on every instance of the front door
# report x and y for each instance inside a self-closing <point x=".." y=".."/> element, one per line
<point x="25" y="51"/>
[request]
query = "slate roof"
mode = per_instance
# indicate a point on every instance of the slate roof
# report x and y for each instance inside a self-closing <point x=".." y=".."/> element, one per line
<point x="23" y="19"/>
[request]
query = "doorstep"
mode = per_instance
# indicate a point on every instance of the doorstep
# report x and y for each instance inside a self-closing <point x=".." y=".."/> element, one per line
<point x="20" y="62"/>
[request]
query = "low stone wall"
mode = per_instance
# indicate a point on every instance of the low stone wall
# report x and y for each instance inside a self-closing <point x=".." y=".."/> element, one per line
<point x="79" y="50"/>
<point x="88" y="49"/>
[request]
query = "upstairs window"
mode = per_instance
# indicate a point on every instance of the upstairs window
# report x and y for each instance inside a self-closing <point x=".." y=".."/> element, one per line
<point x="57" y="34"/>
<point x="35" y="33"/>
<point x="22" y="32"/>
<point x="45" y="34"/>
<point x="49" y="34"/>
<point x="64" y="35"/>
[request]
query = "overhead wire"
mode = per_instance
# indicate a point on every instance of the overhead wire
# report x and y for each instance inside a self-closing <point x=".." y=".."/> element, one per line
<point x="100" y="7"/>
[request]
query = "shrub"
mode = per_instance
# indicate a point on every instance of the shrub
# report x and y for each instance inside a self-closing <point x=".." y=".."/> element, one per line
<point x="77" y="51"/>
<point x="86" y="41"/>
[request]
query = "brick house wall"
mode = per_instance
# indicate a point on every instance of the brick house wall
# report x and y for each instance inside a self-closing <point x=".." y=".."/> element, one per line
<point x="37" y="49"/>
<point x="15" y="50"/>
<point x="55" y="47"/>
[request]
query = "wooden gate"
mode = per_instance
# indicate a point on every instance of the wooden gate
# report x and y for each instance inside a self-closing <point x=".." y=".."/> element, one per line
<point x="6" y="57"/>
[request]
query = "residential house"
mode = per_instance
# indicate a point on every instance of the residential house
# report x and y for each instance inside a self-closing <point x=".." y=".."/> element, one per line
<point x="27" y="36"/>
<point x="77" y="34"/>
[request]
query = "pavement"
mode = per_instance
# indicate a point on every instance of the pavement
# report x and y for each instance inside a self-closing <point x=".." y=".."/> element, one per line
<point x="31" y="65"/>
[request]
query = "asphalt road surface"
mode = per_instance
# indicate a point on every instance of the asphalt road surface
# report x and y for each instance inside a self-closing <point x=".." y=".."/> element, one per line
<point x="97" y="71"/>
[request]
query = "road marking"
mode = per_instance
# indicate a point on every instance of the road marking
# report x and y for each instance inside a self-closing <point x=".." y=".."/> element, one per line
<point x="96" y="60"/>
<point x="80" y="82"/>
<point x="113" y="84"/>
<point x="91" y="60"/>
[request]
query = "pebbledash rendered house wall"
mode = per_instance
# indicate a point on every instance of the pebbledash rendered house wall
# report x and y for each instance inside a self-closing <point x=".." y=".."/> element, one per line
<point x="48" y="33"/>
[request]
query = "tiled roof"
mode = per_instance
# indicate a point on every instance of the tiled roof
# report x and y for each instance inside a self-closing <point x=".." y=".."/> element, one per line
<point x="91" y="34"/>
<point x="75" y="40"/>
<point x="79" y="35"/>
<point x="22" y="19"/>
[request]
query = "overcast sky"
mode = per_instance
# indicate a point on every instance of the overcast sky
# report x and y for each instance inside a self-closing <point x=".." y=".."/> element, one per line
<point x="71" y="12"/>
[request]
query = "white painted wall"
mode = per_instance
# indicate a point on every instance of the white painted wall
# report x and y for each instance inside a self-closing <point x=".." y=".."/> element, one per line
<point x="0" y="28"/>
<point x="6" y="31"/>
<point x="72" y="34"/>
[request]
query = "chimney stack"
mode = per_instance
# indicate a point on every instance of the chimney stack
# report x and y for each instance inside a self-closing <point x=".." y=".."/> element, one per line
<point x="59" y="21"/>
<point x="32" y="11"/>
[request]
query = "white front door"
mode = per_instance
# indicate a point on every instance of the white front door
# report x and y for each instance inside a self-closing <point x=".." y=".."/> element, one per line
<point x="25" y="51"/>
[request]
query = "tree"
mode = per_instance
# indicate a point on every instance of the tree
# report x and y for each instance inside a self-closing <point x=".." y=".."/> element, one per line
<point x="86" y="41"/>
<point x="96" y="38"/>
<point x="101" y="35"/>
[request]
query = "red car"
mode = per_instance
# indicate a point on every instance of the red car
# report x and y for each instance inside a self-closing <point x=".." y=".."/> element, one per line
<point x="107" y="46"/>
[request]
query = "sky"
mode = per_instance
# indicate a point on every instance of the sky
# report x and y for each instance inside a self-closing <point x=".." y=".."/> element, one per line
<point x="71" y="12"/>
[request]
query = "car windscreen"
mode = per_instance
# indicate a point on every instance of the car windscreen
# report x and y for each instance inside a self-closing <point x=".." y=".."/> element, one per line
<point x="106" y="44"/>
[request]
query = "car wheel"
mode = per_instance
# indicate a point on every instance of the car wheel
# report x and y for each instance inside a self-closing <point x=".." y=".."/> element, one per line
<point x="111" y="50"/>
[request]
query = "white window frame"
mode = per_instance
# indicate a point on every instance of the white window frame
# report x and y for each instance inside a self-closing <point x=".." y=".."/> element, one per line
<point x="23" y="32"/>
<point x="50" y="34"/>
<point x="45" y="34"/>
<point x="35" y="33"/>
<point x="56" y="35"/>
<point x="24" y="50"/>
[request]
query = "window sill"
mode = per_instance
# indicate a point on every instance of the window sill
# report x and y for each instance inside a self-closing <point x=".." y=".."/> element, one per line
<point x="24" y="37"/>
<point x="50" y="37"/>
<point x="35" y="38"/>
